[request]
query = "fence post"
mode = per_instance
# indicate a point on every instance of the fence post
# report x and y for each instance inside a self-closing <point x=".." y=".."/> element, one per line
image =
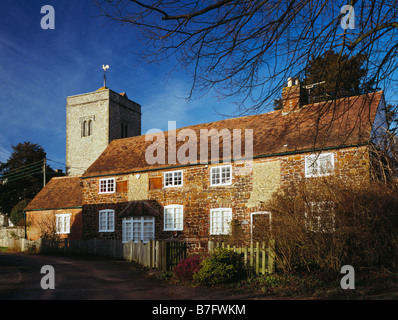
<point x="153" y="253"/>
<point x="251" y="254"/>
<point x="38" y="244"/>
<point x="149" y="253"/>
<point x="271" y="256"/>
<point x="164" y="255"/>
<point x="157" y="254"/>
<point x="257" y="258"/>
<point x="263" y="253"/>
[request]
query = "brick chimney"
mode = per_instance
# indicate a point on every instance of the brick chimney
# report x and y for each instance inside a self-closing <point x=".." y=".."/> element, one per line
<point x="291" y="96"/>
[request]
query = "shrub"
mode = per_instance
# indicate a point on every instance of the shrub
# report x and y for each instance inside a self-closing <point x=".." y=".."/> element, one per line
<point x="16" y="215"/>
<point x="188" y="267"/>
<point x="221" y="267"/>
<point x="329" y="222"/>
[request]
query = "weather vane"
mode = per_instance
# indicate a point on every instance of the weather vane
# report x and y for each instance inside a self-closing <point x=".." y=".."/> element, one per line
<point x="105" y="67"/>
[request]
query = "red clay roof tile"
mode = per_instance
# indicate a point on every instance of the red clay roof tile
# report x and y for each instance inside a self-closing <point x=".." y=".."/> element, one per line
<point x="59" y="192"/>
<point x="344" y="122"/>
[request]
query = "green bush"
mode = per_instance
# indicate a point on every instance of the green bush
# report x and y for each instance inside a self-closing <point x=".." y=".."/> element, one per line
<point x="221" y="267"/>
<point x="17" y="216"/>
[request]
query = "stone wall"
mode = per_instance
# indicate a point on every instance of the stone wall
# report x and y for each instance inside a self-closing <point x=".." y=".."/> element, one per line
<point x="3" y="220"/>
<point x="123" y="110"/>
<point x="12" y="232"/>
<point x="252" y="186"/>
<point x="93" y="202"/>
<point x="8" y="232"/>
<point x="349" y="163"/>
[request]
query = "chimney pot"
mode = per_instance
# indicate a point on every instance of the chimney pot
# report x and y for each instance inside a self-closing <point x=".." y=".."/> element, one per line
<point x="291" y="96"/>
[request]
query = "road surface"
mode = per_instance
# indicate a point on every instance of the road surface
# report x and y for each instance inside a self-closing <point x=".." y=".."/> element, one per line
<point x="90" y="278"/>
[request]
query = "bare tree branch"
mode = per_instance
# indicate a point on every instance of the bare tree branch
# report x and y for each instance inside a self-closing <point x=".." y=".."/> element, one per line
<point x="247" y="49"/>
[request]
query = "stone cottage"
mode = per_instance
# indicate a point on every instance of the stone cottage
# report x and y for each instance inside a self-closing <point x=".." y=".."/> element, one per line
<point x="127" y="198"/>
<point x="191" y="183"/>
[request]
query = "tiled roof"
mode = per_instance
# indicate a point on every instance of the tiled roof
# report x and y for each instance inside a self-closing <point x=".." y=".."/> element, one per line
<point x="140" y="208"/>
<point x="59" y="192"/>
<point x="332" y="124"/>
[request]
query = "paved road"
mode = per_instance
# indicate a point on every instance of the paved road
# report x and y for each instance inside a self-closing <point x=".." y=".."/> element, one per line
<point x="90" y="278"/>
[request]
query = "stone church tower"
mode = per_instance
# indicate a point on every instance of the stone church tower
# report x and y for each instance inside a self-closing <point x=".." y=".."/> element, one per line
<point x="93" y="120"/>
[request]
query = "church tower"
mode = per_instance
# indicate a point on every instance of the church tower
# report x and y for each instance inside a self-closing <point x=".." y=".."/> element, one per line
<point x="93" y="120"/>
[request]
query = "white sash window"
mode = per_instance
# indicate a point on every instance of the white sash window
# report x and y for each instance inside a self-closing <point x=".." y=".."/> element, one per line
<point x="63" y="223"/>
<point x="220" y="221"/>
<point x="173" y="218"/>
<point x="106" y="221"/>
<point x="319" y="165"/>
<point x="140" y="228"/>
<point x="221" y="175"/>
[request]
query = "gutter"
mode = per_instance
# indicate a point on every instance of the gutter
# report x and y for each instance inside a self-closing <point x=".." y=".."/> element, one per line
<point x="230" y="160"/>
<point x="78" y="207"/>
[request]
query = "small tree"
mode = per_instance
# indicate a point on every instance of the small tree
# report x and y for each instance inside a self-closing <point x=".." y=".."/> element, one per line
<point x="46" y="227"/>
<point x="17" y="216"/>
<point x="329" y="222"/>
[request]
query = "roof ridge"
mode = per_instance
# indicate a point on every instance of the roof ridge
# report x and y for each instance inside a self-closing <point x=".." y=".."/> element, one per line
<point x="64" y="177"/>
<point x="272" y="134"/>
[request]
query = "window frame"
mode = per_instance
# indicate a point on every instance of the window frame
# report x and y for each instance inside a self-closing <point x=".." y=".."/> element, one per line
<point x="65" y="230"/>
<point x="108" y="228"/>
<point x="124" y="129"/>
<point x="173" y="185"/>
<point x="308" y="160"/>
<point x="89" y="128"/>
<point x="222" y="229"/>
<point x="220" y="175"/>
<point x="175" y="227"/>
<point x="141" y="221"/>
<point x="107" y="186"/>
<point x="84" y="128"/>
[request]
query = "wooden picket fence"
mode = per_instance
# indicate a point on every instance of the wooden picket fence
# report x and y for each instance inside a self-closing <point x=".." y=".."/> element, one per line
<point x="259" y="256"/>
<point x="163" y="255"/>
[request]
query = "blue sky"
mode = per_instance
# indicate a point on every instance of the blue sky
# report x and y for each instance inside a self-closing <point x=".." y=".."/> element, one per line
<point x="40" y="68"/>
